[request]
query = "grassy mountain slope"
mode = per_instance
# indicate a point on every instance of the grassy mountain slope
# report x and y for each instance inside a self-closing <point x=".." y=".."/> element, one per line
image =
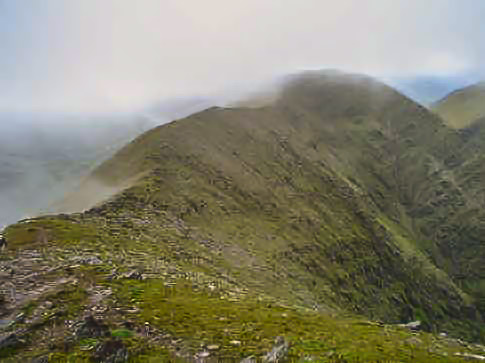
<point x="460" y="235"/>
<point x="462" y="107"/>
<point x="323" y="200"/>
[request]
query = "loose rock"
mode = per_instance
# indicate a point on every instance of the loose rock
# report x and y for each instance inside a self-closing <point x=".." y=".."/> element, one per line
<point x="111" y="351"/>
<point x="41" y="359"/>
<point x="133" y="275"/>
<point x="249" y="359"/>
<point x="413" y="325"/>
<point x="279" y="351"/>
<point x="471" y="356"/>
<point x="88" y="260"/>
<point x="92" y="328"/>
<point x="9" y="341"/>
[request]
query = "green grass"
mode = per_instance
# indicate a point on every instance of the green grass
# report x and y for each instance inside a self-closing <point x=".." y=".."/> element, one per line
<point x="207" y="319"/>
<point x="461" y="108"/>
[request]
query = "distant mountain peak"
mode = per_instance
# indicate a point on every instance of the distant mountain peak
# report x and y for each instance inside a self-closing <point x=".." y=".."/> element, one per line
<point x="462" y="107"/>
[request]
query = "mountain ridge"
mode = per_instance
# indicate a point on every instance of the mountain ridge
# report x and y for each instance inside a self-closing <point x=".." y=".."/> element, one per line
<point x="327" y="188"/>
<point x="462" y="107"/>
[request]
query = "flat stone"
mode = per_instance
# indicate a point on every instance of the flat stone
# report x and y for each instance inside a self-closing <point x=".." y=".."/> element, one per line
<point x="471" y="356"/>
<point x="413" y="325"/>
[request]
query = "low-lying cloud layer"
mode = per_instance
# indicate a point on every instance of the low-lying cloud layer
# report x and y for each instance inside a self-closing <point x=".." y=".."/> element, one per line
<point x="122" y="55"/>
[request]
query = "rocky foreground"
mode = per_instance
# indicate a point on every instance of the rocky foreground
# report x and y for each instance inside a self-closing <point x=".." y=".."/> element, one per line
<point x="60" y="304"/>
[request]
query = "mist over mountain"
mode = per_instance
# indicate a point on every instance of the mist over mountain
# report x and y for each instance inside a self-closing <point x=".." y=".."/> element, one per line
<point x="335" y="203"/>
<point x="45" y="156"/>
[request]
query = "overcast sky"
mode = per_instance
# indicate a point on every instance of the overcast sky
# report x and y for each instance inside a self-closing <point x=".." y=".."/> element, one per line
<point x="122" y="55"/>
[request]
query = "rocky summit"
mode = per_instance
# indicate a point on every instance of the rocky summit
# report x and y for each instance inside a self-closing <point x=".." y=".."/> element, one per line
<point x="339" y="222"/>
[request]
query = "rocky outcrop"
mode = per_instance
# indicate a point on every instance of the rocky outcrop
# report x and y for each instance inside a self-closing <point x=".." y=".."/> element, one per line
<point x="92" y="328"/>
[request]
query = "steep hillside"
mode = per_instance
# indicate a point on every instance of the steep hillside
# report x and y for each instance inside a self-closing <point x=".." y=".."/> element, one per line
<point x="460" y="234"/>
<point x="322" y="205"/>
<point x="460" y="108"/>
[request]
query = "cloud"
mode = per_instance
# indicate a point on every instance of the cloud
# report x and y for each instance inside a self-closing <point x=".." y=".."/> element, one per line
<point x="121" y="55"/>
